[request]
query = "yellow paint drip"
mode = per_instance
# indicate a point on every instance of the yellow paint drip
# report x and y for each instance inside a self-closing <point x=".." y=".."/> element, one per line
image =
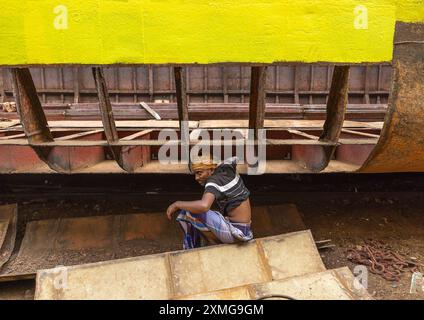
<point x="200" y="31"/>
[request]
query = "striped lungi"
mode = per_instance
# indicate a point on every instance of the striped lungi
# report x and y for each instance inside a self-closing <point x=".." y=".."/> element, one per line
<point x="213" y="227"/>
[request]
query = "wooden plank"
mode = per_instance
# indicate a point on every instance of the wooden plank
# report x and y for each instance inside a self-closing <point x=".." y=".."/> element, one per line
<point x="358" y="141"/>
<point x="8" y="124"/>
<point x="20" y="135"/>
<point x="152" y="112"/>
<point x="78" y="135"/>
<point x="136" y="135"/>
<point x="303" y="134"/>
<point x="17" y="277"/>
<point x="363" y="134"/>
<point x="120" y="124"/>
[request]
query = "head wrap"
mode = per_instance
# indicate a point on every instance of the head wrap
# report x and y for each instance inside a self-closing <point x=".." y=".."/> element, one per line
<point x="203" y="163"/>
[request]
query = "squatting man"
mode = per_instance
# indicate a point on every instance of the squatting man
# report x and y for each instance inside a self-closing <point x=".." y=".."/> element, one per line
<point x="224" y="186"/>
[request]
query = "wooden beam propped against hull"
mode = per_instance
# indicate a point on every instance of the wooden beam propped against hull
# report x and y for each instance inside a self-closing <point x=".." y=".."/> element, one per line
<point x="257" y="107"/>
<point x="317" y="158"/>
<point x="32" y="116"/>
<point x="336" y="111"/>
<point x="129" y="158"/>
<point x="29" y="108"/>
<point x="34" y="122"/>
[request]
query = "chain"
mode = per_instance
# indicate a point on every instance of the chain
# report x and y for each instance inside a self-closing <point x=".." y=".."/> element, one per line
<point x="382" y="260"/>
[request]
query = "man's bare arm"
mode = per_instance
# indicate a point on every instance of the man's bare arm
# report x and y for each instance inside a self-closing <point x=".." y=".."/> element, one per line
<point x="195" y="207"/>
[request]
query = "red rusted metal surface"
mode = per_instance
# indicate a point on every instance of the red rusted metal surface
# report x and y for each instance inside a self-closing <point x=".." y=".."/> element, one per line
<point x="317" y="158"/>
<point x="129" y="158"/>
<point x="336" y="110"/>
<point x="401" y="146"/>
<point x="8" y="226"/>
<point x="311" y="149"/>
<point x="218" y="111"/>
<point x="304" y="84"/>
<point x="77" y="158"/>
<point x="354" y="154"/>
<point x="136" y="156"/>
<point x="15" y="158"/>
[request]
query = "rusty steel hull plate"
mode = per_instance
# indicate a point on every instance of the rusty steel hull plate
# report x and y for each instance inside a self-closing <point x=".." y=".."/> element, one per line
<point x="401" y="145"/>
<point x="8" y="220"/>
<point x="72" y="241"/>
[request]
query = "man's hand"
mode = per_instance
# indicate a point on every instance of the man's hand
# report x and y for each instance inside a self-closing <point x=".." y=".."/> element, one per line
<point x="171" y="210"/>
<point x="194" y="207"/>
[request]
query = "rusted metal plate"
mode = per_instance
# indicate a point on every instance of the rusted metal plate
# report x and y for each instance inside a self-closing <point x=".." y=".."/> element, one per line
<point x="176" y="274"/>
<point x="70" y="241"/>
<point x="317" y="158"/>
<point x="71" y="159"/>
<point x="197" y="111"/>
<point x="274" y="220"/>
<point x="8" y="220"/>
<point x="285" y="84"/>
<point x="401" y="146"/>
<point x="15" y="158"/>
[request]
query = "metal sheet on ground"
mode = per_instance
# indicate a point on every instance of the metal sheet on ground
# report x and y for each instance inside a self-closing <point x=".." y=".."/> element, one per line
<point x="327" y="285"/>
<point x="176" y="274"/>
<point x="8" y="220"/>
<point x="72" y="241"/>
